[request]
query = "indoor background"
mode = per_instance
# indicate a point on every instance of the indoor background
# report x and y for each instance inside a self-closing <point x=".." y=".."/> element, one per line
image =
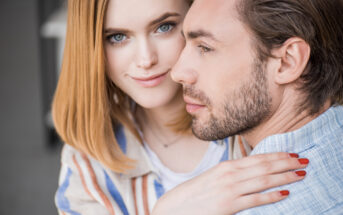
<point x="30" y="46"/>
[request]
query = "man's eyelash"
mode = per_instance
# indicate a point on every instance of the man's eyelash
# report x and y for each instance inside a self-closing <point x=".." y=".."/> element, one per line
<point x="204" y="49"/>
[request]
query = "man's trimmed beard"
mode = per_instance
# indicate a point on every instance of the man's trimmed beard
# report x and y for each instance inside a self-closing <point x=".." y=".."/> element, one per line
<point x="242" y="110"/>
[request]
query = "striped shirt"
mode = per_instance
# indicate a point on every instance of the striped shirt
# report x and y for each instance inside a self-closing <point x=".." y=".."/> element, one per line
<point x="321" y="192"/>
<point x="87" y="187"/>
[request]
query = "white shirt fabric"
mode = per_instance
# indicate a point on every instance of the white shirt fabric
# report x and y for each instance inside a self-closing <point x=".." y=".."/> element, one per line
<point x="171" y="179"/>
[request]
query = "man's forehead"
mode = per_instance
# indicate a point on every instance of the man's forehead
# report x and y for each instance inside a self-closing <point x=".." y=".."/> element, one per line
<point x="207" y="13"/>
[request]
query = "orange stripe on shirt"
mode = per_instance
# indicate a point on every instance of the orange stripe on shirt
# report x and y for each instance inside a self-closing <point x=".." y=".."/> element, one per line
<point x="96" y="185"/>
<point x="82" y="177"/>
<point x="240" y="141"/>
<point x="145" y="194"/>
<point x="133" y="185"/>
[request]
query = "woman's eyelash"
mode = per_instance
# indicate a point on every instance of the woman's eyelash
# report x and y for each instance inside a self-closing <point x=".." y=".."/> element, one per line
<point x="166" y="27"/>
<point x="116" y="38"/>
<point x="119" y="38"/>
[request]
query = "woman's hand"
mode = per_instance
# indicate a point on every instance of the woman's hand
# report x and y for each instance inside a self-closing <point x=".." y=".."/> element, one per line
<point x="234" y="185"/>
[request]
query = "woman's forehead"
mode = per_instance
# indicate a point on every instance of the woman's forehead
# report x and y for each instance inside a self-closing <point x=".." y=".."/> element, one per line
<point x="123" y="13"/>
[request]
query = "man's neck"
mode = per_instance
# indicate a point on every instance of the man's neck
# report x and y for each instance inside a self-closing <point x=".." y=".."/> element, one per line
<point x="285" y="119"/>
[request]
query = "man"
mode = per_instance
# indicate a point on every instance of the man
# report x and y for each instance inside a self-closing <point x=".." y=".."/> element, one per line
<point x="272" y="72"/>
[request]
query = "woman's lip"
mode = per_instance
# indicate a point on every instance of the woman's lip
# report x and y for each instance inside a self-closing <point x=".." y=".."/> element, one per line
<point x="148" y="78"/>
<point x="152" y="81"/>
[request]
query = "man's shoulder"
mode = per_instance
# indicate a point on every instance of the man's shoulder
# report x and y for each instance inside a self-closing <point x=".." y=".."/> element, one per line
<point x="321" y="192"/>
<point x="329" y="145"/>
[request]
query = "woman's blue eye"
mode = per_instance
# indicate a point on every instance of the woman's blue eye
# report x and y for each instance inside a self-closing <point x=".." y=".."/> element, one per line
<point x="117" y="38"/>
<point x="165" y="28"/>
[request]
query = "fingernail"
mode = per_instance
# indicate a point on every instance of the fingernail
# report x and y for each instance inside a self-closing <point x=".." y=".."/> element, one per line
<point x="293" y="155"/>
<point x="303" y="161"/>
<point x="284" y="192"/>
<point x="300" y="173"/>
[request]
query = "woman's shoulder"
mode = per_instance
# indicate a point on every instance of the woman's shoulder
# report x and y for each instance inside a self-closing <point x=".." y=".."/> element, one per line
<point x="69" y="153"/>
<point x="77" y="160"/>
<point x="125" y="140"/>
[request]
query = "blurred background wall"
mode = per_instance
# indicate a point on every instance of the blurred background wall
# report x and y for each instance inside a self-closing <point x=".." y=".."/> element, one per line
<point x="29" y="148"/>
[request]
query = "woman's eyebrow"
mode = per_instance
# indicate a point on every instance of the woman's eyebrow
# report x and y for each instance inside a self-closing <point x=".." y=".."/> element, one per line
<point x="116" y="30"/>
<point x="163" y="17"/>
<point x="153" y="22"/>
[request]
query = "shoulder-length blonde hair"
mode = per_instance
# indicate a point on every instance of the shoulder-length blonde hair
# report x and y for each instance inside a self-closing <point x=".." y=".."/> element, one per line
<point x="84" y="111"/>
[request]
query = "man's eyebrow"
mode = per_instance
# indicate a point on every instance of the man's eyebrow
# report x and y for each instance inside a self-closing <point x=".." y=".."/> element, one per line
<point x="163" y="17"/>
<point x="200" y="33"/>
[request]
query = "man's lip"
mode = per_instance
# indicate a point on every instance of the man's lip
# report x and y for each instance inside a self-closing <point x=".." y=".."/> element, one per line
<point x="191" y="101"/>
<point x="192" y="105"/>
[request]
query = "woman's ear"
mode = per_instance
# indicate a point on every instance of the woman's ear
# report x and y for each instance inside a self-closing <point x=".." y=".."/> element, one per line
<point x="294" y="55"/>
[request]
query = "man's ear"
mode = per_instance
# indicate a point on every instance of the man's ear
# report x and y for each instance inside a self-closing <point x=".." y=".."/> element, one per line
<point x="294" y="55"/>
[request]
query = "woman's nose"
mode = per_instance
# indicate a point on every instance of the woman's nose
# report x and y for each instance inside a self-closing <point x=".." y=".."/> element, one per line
<point x="146" y="55"/>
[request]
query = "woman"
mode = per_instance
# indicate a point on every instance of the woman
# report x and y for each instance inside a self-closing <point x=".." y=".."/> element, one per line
<point x="128" y="134"/>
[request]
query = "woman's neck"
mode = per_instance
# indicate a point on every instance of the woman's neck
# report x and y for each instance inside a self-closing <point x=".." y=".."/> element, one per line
<point x="157" y="119"/>
<point x="180" y="152"/>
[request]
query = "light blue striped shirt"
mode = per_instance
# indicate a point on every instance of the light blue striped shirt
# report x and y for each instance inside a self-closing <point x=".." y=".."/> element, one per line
<point x="321" y="192"/>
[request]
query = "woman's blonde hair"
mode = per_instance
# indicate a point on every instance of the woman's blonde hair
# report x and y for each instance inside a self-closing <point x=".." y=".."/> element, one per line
<point x="84" y="110"/>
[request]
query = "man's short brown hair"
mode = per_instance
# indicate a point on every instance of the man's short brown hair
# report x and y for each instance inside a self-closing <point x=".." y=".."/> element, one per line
<point x="320" y="24"/>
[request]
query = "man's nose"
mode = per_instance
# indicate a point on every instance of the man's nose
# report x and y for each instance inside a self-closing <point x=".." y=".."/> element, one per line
<point x="182" y="71"/>
<point x="146" y="55"/>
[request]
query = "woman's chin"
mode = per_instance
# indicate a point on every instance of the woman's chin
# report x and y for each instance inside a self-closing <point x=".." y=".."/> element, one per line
<point x="152" y="102"/>
<point x="157" y="98"/>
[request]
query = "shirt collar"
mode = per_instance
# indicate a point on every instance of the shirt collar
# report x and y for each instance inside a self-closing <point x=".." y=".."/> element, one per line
<point x="133" y="149"/>
<point x="304" y="138"/>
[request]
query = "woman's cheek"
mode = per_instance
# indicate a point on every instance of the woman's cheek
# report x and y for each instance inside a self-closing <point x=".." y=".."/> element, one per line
<point x="176" y="46"/>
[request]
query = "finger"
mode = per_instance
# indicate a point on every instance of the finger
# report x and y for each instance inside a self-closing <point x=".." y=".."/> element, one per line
<point x="261" y="158"/>
<point x="258" y="199"/>
<point x="268" y="168"/>
<point x="269" y="181"/>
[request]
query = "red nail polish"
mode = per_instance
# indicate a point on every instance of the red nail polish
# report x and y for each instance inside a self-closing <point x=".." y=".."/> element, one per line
<point x="300" y="173"/>
<point x="284" y="192"/>
<point x="303" y="161"/>
<point x="293" y="155"/>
